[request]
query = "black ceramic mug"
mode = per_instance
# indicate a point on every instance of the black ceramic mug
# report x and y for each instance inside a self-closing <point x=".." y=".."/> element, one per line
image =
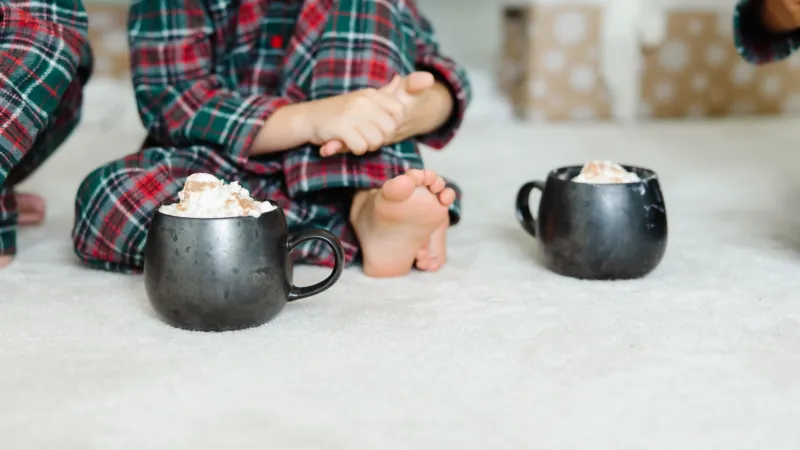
<point x="597" y="231"/>
<point x="227" y="273"/>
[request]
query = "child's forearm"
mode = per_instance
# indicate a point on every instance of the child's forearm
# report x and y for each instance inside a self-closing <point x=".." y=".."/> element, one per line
<point x="436" y="108"/>
<point x="289" y="126"/>
<point x="285" y="129"/>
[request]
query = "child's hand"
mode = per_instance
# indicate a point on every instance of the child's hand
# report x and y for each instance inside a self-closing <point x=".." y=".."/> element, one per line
<point x="781" y="16"/>
<point x="360" y="121"/>
<point x="409" y="92"/>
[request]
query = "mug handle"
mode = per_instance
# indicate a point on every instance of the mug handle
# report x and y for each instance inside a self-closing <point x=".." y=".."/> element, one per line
<point x="297" y="293"/>
<point x="524" y="215"/>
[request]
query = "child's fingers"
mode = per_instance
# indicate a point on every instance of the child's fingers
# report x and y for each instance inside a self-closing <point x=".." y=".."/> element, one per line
<point x="372" y="135"/>
<point x="354" y="141"/>
<point x="331" y="148"/>
<point x="386" y="124"/>
<point x="389" y="104"/>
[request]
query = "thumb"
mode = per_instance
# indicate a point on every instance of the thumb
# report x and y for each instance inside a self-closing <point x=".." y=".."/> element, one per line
<point x="418" y="82"/>
<point x="393" y="85"/>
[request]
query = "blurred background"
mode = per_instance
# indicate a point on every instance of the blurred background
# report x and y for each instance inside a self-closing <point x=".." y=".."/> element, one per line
<point x="542" y="60"/>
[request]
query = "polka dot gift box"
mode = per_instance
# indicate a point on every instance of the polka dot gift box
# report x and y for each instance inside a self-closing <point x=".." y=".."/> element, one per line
<point x="635" y="59"/>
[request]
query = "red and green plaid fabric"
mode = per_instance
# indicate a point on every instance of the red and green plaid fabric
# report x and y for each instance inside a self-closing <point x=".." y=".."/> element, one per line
<point x="754" y="41"/>
<point x="207" y="75"/>
<point x="44" y="62"/>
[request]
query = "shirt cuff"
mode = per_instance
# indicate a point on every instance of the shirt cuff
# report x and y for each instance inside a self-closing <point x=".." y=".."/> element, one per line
<point x="457" y="82"/>
<point x="255" y="111"/>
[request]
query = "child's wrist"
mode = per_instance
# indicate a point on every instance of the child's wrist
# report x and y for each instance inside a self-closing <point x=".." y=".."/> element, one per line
<point x="431" y="112"/>
<point x="301" y="122"/>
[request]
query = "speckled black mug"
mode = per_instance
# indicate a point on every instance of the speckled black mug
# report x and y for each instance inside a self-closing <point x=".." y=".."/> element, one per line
<point x="597" y="231"/>
<point x="227" y="273"/>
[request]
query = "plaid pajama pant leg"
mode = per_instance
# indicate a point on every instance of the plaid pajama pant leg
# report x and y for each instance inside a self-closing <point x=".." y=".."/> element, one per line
<point x="65" y="120"/>
<point x="363" y="45"/>
<point x="116" y="202"/>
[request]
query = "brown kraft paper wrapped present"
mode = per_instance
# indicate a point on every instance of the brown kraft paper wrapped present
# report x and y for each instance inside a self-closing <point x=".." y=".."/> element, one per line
<point x="668" y="60"/>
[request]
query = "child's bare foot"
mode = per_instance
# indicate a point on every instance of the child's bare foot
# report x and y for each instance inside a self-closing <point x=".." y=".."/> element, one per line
<point x="31" y="209"/>
<point x="394" y="222"/>
<point x="5" y="260"/>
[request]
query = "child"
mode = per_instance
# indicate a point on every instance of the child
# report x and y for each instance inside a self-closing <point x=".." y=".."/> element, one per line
<point x="767" y="30"/>
<point x="317" y="105"/>
<point x="45" y="61"/>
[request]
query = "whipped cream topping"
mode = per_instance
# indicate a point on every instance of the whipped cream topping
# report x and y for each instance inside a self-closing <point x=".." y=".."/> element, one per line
<point x="207" y="197"/>
<point x="605" y="172"/>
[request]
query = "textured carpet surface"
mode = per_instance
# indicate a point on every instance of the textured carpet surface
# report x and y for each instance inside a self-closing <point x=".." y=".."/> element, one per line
<point x="492" y="352"/>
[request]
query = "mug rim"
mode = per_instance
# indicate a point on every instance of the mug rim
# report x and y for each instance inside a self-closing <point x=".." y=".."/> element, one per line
<point x="651" y="175"/>
<point x="218" y="219"/>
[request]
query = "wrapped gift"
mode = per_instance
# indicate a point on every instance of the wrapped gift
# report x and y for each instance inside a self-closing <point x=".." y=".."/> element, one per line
<point x="633" y="59"/>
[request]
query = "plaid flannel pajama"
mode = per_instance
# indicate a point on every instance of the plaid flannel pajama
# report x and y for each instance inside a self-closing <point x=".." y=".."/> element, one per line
<point x="754" y="41"/>
<point x="45" y="61"/>
<point x="208" y="74"/>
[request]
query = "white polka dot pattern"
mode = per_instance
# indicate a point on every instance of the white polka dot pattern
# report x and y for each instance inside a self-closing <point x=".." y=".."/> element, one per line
<point x="743" y="73"/>
<point x="674" y="56"/>
<point x="554" y="61"/>
<point x="570" y="28"/>
<point x="583" y="79"/>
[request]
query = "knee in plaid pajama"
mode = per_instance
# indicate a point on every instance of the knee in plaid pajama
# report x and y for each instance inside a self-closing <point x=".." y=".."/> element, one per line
<point x="116" y="202"/>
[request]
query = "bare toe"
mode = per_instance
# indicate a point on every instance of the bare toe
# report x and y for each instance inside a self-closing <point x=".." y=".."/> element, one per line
<point x="5" y="260"/>
<point x="447" y="196"/>
<point x="399" y="189"/>
<point x="417" y="175"/>
<point x="438" y="185"/>
<point x="430" y="177"/>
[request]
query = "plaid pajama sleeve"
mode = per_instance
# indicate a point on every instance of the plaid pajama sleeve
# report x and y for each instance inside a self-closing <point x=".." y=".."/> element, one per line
<point x="181" y="101"/>
<point x="754" y="42"/>
<point x="44" y="61"/>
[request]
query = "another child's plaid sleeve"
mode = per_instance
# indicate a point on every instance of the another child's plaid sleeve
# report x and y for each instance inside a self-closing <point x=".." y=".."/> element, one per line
<point x="180" y="100"/>
<point x="42" y="47"/>
<point x="754" y="42"/>
<point x="447" y="71"/>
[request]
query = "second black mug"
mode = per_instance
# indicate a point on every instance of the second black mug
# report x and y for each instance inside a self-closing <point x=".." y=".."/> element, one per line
<point x="597" y="231"/>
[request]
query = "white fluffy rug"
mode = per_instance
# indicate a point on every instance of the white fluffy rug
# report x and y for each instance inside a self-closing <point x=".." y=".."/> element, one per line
<point x="492" y="352"/>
